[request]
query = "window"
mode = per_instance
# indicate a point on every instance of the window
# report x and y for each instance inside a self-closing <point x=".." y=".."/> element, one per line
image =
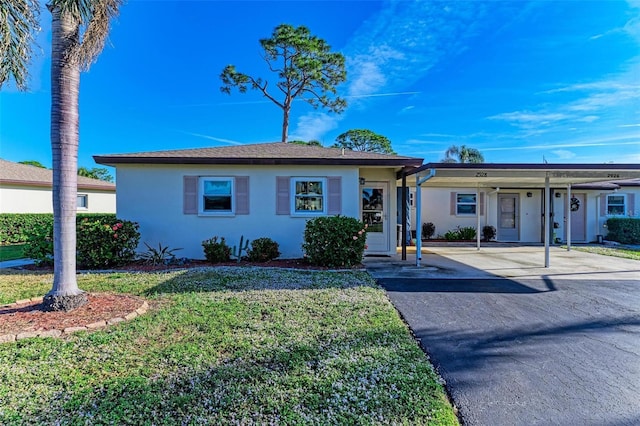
<point x="465" y="204"/>
<point x="309" y="196"/>
<point x="616" y="205"/>
<point x="215" y="196"/>
<point x="83" y="202"/>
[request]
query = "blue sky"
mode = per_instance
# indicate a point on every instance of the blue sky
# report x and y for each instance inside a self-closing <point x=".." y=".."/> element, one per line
<point x="518" y="80"/>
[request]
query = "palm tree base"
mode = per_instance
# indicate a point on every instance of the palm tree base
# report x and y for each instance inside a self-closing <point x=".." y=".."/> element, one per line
<point x="54" y="303"/>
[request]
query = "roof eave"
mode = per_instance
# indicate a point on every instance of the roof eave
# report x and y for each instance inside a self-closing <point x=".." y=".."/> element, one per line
<point x="390" y="162"/>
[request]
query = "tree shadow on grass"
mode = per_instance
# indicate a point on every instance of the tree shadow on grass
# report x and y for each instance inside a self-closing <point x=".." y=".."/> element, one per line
<point x="321" y="381"/>
<point x="246" y="279"/>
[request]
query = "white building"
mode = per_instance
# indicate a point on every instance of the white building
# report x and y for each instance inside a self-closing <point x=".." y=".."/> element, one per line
<point x="183" y="197"/>
<point x="28" y="189"/>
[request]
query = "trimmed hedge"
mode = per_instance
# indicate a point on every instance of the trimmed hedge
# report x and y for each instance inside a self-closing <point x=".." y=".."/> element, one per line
<point x="15" y="227"/>
<point x="624" y="230"/>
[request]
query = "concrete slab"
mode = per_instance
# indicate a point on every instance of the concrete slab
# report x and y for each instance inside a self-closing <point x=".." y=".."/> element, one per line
<point x="506" y="261"/>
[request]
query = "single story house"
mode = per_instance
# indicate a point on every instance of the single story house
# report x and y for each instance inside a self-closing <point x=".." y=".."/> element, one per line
<point x="28" y="189"/>
<point x="183" y="197"/>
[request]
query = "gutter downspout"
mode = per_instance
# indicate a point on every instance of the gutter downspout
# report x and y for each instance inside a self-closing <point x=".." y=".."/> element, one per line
<point x="419" y="182"/>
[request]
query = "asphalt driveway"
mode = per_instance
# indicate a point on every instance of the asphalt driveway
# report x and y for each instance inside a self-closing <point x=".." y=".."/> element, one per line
<point x="526" y="351"/>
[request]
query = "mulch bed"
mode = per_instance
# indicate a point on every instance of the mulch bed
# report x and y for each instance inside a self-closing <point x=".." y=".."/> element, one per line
<point x="30" y="316"/>
<point x="195" y="263"/>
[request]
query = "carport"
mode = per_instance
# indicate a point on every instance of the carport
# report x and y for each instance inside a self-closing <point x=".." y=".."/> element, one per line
<point x="494" y="176"/>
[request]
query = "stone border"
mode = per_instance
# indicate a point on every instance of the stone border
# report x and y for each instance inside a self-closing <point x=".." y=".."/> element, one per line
<point x="7" y="338"/>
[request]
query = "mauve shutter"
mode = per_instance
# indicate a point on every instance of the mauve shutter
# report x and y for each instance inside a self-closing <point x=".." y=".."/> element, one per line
<point x="242" y="194"/>
<point x="452" y="204"/>
<point x="283" y="205"/>
<point x="631" y="204"/>
<point x="603" y="205"/>
<point x="334" y="194"/>
<point x="482" y="204"/>
<point x="190" y="195"/>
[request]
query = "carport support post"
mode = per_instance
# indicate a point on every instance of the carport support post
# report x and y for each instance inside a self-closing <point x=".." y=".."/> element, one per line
<point x="478" y="217"/>
<point x="547" y="201"/>
<point x="568" y="215"/>
<point x="418" y="219"/>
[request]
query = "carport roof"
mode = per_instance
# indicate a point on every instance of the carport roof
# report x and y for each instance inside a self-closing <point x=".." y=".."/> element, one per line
<point x="504" y="175"/>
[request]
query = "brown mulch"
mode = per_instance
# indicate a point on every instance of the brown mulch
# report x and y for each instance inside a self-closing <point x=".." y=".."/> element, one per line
<point x="102" y="306"/>
<point x="195" y="263"/>
<point x="29" y="316"/>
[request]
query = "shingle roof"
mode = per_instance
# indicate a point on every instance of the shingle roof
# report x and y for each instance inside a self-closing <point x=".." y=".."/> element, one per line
<point x="264" y="153"/>
<point x="23" y="174"/>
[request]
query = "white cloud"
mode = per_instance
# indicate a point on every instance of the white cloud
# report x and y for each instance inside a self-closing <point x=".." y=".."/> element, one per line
<point x="213" y="138"/>
<point x="528" y="118"/>
<point x="564" y="154"/>
<point x="314" y="125"/>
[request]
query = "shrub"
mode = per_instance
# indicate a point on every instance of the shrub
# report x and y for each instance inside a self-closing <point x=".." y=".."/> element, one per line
<point x="263" y="250"/>
<point x="428" y="229"/>
<point x="334" y="241"/>
<point x="461" y="233"/>
<point x="216" y="250"/>
<point x="17" y="227"/>
<point x="40" y="244"/>
<point x="159" y="256"/>
<point x="101" y="241"/>
<point x="108" y="243"/>
<point x="624" y="230"/>
<point x="488" y="232"/>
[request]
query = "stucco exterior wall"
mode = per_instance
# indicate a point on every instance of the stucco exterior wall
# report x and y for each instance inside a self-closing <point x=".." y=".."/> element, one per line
<point x="31" y="199"/>
<point x="436" y="201"/>
<point x="152" y="195"/>
<point x="595" y="221"/>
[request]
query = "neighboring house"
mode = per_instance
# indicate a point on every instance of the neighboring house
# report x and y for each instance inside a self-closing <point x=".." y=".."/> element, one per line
<point x="510" y="197"/>
<point x="183" y="197"/>
<point x="28" y="189"/>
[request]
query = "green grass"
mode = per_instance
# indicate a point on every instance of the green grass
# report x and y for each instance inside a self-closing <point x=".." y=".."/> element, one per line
<point x="226" y="346"/>
<point x="11" y="252"/>
<point x="623" y="252"/>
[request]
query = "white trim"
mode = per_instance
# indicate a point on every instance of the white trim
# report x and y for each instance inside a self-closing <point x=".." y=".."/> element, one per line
<point x="624" y="205"/>
<point x="86" y="202"/>
<point x="475" y="203"/>
<point x="201" y="183"/>
<point x="323" y="195"/>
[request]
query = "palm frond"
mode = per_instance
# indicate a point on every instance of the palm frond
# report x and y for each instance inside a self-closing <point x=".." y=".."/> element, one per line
<point x="18" y="26"/>
<point x="95" y="17"/>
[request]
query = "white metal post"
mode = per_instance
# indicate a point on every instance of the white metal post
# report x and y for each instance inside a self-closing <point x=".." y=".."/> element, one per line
<point x="568" y="213"/>
<point x="478" y="217"/>
<point x="546" y="220"/>
<point x="418" y="220"/>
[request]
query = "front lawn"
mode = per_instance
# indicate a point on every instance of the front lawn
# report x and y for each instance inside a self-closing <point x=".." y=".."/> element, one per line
<point x="627" y="253"/>
<point x="12" y="252"/>
<point x="225" y="346"/>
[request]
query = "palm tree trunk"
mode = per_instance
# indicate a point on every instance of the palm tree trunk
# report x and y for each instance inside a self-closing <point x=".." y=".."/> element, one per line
<point x="65" y="84"/>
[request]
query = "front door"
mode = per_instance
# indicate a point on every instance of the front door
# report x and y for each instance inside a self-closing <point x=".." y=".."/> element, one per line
<point x="578" y="217"/>
<point x="508" y="217"/>
<point x="375" y="214"/>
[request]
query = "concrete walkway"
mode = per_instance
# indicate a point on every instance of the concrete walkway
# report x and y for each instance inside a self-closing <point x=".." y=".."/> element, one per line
<point x="16" y="263"/>
<point x="520" y="344"/>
